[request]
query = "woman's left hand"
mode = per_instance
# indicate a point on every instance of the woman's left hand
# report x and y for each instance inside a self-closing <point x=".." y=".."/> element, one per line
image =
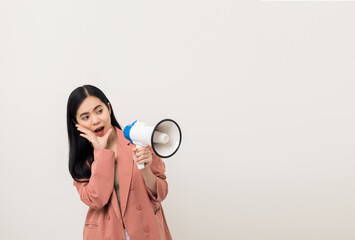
<point x="142" y="155"/>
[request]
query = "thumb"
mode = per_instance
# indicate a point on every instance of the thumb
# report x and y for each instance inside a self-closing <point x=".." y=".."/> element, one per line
<point x="108" y="133"/>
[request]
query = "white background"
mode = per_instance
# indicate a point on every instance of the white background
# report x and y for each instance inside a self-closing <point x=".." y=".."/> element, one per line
<point x="263" y="93"/>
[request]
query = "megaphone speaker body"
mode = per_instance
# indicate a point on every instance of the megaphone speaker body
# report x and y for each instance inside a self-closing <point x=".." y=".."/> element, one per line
<point x="164" y="138"/>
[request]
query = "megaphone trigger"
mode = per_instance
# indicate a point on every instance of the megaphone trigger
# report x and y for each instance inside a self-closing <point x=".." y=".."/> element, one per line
<point x="140" y="166"/>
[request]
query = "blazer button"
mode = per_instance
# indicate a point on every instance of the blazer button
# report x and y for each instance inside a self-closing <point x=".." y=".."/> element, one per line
<point x="132" y="188"/>
<point x="146" y="229"/>
<point x="139" y="207"/>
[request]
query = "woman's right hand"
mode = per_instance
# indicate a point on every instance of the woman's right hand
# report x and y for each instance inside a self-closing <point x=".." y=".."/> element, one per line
<point x="96" y="141"/>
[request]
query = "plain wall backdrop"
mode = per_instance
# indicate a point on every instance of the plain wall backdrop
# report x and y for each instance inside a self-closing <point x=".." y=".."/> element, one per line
<point x="263" y="93"/>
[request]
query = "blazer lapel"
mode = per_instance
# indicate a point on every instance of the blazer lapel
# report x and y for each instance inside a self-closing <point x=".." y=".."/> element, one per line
<point x="124" y="169"/>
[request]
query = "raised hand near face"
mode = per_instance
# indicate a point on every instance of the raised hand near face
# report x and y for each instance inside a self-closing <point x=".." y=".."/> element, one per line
<point x="97" y="142"/>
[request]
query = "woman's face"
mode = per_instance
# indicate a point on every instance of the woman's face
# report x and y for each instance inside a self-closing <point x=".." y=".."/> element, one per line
<point x="93" y="114"/>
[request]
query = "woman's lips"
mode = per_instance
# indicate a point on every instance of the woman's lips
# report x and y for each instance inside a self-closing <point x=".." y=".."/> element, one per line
<point x="101" y="132"/>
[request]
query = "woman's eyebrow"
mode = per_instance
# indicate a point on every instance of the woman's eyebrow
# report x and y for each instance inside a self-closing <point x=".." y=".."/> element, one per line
<point x="88" y="113"/>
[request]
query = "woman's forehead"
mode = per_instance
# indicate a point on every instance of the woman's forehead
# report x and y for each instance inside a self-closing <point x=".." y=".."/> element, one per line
<point x="89" y="104"/>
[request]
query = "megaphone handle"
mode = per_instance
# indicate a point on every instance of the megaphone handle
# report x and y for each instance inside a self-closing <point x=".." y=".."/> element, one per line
<point x="140" y="166"/>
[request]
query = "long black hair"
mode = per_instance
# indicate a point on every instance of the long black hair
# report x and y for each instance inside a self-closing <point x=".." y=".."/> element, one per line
<point x="80" y="149"/>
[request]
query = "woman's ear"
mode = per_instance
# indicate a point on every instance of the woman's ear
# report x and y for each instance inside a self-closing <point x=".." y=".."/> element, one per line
<point x="74" y="121"/>
<point x="109" y="107"/>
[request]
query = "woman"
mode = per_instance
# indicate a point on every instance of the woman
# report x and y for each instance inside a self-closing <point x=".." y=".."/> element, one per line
<point x="124" y="202"/>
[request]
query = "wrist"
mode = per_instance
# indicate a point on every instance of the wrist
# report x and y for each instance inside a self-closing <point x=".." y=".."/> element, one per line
<point x="146" y="171"/>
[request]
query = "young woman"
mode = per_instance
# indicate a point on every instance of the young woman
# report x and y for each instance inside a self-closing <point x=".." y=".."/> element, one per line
<point x="124" y="202"/>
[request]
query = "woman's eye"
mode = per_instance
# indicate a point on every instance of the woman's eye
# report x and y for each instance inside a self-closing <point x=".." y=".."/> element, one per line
<point x="84" y="118"/>
<point x="100" y="111"/>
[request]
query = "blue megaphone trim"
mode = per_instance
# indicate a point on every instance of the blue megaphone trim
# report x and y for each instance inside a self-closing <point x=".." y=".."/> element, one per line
<point x="127" y="130"/>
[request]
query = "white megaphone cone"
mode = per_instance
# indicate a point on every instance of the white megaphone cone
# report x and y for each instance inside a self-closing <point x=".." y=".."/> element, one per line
<point x="164" y="137"/>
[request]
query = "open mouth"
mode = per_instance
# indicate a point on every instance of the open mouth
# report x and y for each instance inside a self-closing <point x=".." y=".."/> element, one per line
<point x="100" y="130"/>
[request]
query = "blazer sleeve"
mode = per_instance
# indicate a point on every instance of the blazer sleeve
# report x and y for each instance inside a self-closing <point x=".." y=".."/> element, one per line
<point x="97" y="192"/>
<point x="158" y="169"/>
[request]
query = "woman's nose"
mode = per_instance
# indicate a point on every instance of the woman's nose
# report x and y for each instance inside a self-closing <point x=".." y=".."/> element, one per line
<point x="95" y="120"/>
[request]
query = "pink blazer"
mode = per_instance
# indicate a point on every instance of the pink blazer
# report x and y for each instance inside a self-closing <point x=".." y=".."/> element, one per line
<point x="142" y="212"/>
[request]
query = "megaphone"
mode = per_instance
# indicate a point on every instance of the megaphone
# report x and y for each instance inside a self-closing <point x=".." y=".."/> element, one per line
<point x="164" y="137"/>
